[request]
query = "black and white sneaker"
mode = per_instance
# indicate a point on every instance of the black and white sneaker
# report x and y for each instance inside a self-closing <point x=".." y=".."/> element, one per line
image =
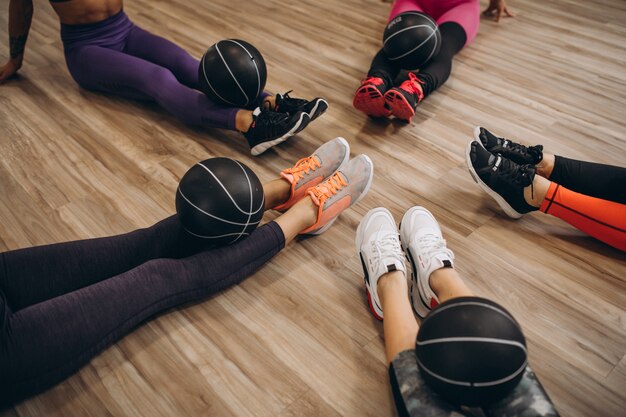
<point x="314" y="108"/>
<point x="516" y="152"/>
<point x="502" y="179"/>
<point x="270" y="128"/>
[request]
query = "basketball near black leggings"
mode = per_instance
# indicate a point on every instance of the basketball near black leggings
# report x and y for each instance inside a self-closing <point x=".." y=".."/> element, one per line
<point x="232" y="72"/>
<point x="411" y="39"/>
<point x="471" y="351"/>
<point x="220" y="200"/>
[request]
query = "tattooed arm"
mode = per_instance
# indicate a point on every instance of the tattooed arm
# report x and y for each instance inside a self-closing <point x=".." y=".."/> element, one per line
<point x="20" y="16"/>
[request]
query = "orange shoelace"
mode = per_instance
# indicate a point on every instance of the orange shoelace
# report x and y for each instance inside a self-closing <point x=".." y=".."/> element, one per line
<point x="413" y="86"/>
<point x="329" y="187"/>
<point x="303" y="166"/>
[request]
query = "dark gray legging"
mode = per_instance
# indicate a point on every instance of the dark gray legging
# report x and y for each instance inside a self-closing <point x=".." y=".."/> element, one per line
<point x="62" y="304"/>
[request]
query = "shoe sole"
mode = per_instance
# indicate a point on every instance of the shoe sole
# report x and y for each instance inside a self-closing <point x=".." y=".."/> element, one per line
<point x="298" y="127"/>
<point x="320" y="108"/>
<point x="399" y="106"/>
<point x="414" y="279"/>
<point x="370" y="101"/>
<point x="363" y="194"/>
<point x="359" y="241"/>
<point x="510" y="211"/>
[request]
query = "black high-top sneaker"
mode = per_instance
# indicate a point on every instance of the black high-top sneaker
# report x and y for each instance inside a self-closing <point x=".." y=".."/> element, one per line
<point x="269" y="128"/>
<point x="314" y="108"/>
<point x="516" y="152"/>
<point x="501" y="178"/>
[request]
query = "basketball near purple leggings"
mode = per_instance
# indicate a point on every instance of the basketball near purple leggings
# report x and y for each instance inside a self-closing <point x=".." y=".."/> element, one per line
<point x="411" y="39"/>
<point x="220" y="200"/>
<point x="471" y="351"/>
<point x="232" y="72"/>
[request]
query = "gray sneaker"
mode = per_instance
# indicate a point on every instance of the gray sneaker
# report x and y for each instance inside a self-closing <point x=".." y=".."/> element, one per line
<point x="310" y="171"/>
<point x="342" y="190"/>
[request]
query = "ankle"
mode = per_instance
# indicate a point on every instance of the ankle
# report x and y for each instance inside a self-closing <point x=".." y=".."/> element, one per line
<point x="276" y="192"/>
<point x="546" y="165"/>
<point x="446" y="284"/>
<point x="535" y="193"/>
<point x="395" y="279"/>
<point x="307" y="210"/>
<point x="243" y="120"/>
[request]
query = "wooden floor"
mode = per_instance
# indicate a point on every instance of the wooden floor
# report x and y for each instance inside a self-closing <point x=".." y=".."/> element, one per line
<point x="296" y="339"/>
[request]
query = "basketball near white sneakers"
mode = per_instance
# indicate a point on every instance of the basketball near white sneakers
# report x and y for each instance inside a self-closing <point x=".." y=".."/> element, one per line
<point x="378" y="247"/>
<point x="426" y="249"/>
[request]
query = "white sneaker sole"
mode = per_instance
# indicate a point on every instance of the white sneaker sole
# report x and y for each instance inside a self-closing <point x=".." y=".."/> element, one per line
<point x="510" y="211"/>
<point x="421" y="308"/>
<point x="313" y="113"/>
<point x="262" y="147"/>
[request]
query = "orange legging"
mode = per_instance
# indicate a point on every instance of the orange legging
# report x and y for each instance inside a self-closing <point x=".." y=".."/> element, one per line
<point x="605" y="220"/>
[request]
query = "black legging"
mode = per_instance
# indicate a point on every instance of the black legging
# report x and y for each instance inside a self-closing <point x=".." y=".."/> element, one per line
<point x="62" y="304"/>
<point x="596" y="180"/>
<point x="436" y="71"/>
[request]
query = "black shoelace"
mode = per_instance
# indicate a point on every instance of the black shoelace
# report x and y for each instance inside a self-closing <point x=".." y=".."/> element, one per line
<point x="517" y="175"/>
<point x="290" y="101"/>
<point x="533" y="152"/>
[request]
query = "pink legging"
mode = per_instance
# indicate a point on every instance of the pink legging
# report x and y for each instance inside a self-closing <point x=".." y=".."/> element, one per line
<point x="464" y="12"/>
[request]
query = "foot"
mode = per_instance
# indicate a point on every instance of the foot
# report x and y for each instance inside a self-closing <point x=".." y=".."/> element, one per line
<point x="403" y="100"/>
<point x="309" y="172"/>
<point x="313" y="108"/>
<point x="378" y="247"/>
<point x="270" y="128"/>
<point x="502" y="179"/>
<point x="516" y="152"/>
<point x="426" y="250"/>
<point x="370" y="97"/>
<point x="342" y="190"/>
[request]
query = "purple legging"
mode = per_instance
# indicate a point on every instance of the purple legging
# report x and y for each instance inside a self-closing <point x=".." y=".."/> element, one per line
<point x="62" y="304"/>
<point x="116" y="56"/>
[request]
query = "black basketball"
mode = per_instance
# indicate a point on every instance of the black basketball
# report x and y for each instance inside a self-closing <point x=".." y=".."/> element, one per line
<point x="232" y="72"/>
<point x="220" y="200"/>
<point x="411" y="39"/>
<point x="471" y="351"/>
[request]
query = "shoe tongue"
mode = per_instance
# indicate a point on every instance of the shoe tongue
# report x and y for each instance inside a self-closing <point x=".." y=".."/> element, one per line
<point x="289" y="177"/>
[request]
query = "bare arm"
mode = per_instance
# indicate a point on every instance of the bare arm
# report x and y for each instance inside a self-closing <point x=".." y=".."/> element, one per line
<point x="20" y="17"/>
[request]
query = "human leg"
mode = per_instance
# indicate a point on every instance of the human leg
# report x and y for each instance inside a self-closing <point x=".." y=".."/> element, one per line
<point x="403" y="99"/>
<point x="384" y="268"/>
<point x="33" y="275"/>
<point x="103" y="69"/>
<point x="603" y="181"/>
<point x="369" y="97"/>
<point x="518" y="190"/>
<point x="45" y="342"/>
<point x="602" y="219"/>
<point x="596" y="180"/>
<point x="162" y="52"/>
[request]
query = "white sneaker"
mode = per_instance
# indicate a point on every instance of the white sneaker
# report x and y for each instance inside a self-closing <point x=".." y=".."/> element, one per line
<point x="426" y="249"/>
<point x="378" y="247"/>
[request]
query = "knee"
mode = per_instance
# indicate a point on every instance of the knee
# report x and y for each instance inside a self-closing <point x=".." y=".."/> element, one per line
<point x="158" y="80"/>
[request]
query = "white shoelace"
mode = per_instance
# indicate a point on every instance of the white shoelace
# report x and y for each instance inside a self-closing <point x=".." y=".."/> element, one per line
<point x="432" y="244"/>
<point x="387" y="247"/>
